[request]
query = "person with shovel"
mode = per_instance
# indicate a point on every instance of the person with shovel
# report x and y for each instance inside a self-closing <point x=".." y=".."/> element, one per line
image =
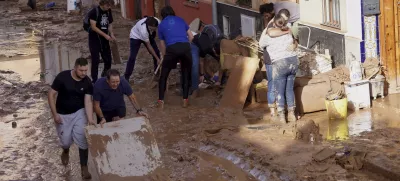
<point x="108" y="96"/>
<point x="143" y="33"/>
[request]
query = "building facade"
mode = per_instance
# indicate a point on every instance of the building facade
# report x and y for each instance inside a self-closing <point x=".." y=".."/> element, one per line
<point x="241" y="17"/>
<point x="340" y="26"/>
<point x="192" y="9"/>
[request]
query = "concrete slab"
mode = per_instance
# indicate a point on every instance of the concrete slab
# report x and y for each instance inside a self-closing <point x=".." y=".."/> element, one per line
<point x="123" y="150"/>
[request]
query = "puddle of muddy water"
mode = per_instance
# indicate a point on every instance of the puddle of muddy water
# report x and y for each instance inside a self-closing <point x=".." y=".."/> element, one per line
<point x="28" y="69"/>
<point x="52" y="59"/>
<point x="356" y="123"/>
<point x="243" y="167"/>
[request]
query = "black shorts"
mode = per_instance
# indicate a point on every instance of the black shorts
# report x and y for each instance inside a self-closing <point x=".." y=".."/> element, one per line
<point x="178" y="52"/>
<point x="109" y="115"/>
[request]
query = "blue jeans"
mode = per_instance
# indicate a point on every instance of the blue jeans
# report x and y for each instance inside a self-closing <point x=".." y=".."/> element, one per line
<point x="283" y="74"/>
<point x="271" y="94"/>
<point x="134" y="49"/>
<point x="195" y="66"/>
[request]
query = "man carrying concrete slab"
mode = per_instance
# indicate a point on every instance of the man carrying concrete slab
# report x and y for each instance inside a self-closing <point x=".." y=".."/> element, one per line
<point x="73" y="110"/>
<point x="108" y="97"/>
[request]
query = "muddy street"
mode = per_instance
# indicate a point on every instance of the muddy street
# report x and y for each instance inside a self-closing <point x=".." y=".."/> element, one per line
<point x="198" y="143"/>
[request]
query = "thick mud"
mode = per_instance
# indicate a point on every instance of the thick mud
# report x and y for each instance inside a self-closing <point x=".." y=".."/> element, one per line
<point x="199" y="143"/>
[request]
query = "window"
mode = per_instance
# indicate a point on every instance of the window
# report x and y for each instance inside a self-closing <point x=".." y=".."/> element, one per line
<point x="248" y="26"/>
<point x="331" y="10"/>
<point x="226" y="26"/>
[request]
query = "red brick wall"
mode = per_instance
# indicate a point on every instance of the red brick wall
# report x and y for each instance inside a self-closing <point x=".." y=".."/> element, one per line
<point x="189" y="11"/>
<point x="147" y="8"/>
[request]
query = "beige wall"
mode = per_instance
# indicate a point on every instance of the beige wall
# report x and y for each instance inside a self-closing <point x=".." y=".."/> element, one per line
<point x="311" y="14"/>
<point x="350" y="16"/>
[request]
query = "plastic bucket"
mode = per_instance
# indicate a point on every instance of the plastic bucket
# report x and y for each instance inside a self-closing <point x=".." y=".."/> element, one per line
<point x="338" y="130"/>
<point x="336" y="109"/>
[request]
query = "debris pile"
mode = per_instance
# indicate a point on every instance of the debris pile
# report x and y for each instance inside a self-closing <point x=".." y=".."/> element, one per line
<point x="312" y="63"/>
<point x="371" y="68"/>
<point x="18" y="94"/>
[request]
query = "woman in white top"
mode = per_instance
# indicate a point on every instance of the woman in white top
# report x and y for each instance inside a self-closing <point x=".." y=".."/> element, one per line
<point x="284" y="65"/>
<point x="143" y="32"/>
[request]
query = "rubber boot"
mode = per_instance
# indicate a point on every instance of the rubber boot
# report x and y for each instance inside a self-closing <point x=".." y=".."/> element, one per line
<point x="85" y="172"/>
<point x="291" y="116"/>
<point x="160" y="104"/>
<point x="65" y="157"/>
<point x="273" y="114"/>
<point x="281" y="117"/>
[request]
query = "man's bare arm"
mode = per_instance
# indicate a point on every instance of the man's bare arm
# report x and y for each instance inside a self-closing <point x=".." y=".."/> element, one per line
<point x="97" y="109"/>
<point x="152" y="52"/>
<point x="111" y="30"/>
<point x="135" y="104"/>
<point x="89" y="108"/>
<point x="52" y="101"/>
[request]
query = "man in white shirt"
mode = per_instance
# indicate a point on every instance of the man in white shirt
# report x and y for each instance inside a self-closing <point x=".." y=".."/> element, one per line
<point x="143" y="32"/>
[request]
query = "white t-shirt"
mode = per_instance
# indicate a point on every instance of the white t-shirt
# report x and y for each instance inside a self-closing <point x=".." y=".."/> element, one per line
<point x="139" y="31"/>
<point x="278" y="47"/>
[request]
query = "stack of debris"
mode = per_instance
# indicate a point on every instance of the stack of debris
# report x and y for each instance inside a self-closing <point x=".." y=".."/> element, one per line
<point x="371" y="68"/>
<point x="312" y="91"/>
<point x="327" y="159"/>
<point x="312" y="63"/>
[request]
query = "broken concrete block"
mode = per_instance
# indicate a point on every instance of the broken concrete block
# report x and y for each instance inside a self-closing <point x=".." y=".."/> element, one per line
<point x="61" y="21"/>
<point x="123" y="150"/>
<point x="323" y="154"/>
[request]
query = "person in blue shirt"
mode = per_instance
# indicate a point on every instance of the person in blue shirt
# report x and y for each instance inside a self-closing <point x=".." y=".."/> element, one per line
<point x="108" y="96"/>
<point x="175" y="38"/>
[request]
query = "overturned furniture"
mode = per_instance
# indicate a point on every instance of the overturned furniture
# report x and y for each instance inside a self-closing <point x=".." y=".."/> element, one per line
<point x="311" y="91"/>
<point x="123" y="150"/>
<point x="242" y="64"/>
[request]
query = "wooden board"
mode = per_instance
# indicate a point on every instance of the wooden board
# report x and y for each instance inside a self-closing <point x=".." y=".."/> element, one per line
<point x="115" y="53"/>
<point x="239" y="82"/>
<point x="388" y="41"/>
<point x="123" y="150"/>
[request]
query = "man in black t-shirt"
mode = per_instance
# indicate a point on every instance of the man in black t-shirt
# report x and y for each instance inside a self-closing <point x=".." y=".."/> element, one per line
<point x="72" y="110"/>
<point x="100" y="33"/>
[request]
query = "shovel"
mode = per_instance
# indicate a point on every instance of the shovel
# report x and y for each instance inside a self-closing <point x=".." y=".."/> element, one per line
<point x="155" y="73"/>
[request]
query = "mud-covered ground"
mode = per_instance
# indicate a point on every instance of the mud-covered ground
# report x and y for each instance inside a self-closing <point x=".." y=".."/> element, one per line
<point x="201" y="142"/>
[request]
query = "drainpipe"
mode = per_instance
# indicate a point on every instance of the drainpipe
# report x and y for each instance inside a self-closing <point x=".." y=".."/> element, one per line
<point x="214" y="12"/>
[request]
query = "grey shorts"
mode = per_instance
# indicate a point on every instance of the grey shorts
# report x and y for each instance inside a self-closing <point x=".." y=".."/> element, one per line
<point x="72" y="129"/>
